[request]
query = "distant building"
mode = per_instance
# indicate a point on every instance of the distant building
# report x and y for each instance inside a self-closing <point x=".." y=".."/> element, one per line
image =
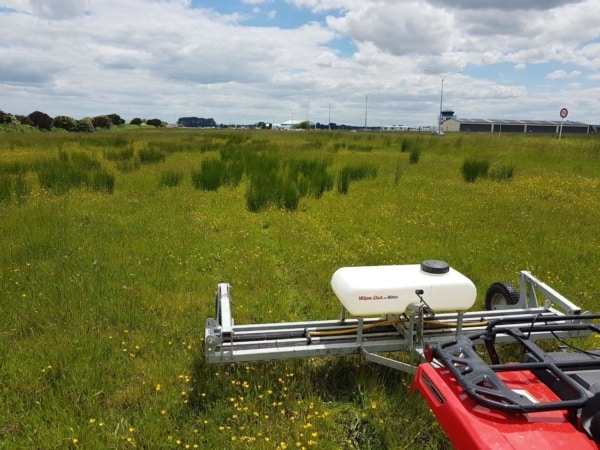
<point x="514" y="126"/>
<point x="291" y="124"/>
<point x="196" y="122"/>
<point x="402" y="128"/>
<point x="447" y="114"/>
<point x="395" y="128"/>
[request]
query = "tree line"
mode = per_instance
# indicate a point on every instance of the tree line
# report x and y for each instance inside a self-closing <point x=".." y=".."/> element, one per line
<point x="44" y="122"/>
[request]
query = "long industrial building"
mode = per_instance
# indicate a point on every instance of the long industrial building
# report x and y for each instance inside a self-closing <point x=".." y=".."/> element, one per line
<point x="455" y="124"/>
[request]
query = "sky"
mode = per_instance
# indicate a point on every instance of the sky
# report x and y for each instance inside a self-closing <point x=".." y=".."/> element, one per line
<point x="383" y="62"/>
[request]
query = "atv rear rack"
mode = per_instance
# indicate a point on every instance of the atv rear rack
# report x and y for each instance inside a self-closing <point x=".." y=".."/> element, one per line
<point x="563" y="372"/>
<point x="544" y="400"/>
<point x="409" y="331"/>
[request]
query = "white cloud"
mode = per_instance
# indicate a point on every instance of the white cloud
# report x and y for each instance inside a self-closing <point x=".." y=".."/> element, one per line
<point x="166" y="58"/>
<point x="327" y="5"/>
<point x="398" y="28"/>
<point x="510" y="5"/>
<point x="561" y="74"/>
<point x="59" y="9"/>
<point x="256" y="2"/>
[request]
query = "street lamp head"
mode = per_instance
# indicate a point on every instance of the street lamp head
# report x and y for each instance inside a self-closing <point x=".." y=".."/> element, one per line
<point x="443" y="76"/>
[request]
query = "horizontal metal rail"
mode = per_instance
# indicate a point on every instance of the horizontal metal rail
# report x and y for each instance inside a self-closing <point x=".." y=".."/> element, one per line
<point x="528" y="285"/>
<point x="226" y="342"/>
<point x="277" y="341"/>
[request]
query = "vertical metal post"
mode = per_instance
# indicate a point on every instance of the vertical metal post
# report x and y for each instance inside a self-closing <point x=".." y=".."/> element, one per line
<point x="459" y="323"/>
<point x="359" y="331"/>
<point x="366" y="110"/>
<point x="343" y="315"/>
<point x="561" y="127"/>
<point x="411" y="331"/>
<point x="441" y="106"/>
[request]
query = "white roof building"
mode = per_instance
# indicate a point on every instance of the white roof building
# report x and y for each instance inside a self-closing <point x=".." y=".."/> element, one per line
<point x="290" y="124"/>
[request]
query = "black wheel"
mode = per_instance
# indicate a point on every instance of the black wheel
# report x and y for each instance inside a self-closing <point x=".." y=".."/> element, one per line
<point x="501" y="294"/>
<point x="590" y="417"/>
<point x="595" y="427"/>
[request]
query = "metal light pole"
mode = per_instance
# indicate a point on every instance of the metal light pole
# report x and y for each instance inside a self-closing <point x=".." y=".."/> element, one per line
<point x="366" y="110"/>
<point x="442" y="77"/>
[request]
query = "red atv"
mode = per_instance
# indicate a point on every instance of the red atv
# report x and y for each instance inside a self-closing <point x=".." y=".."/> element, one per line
<point x="548" y="400"/>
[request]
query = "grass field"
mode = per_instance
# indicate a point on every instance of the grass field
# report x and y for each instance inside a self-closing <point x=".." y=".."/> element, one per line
<point x="112" y="250"/>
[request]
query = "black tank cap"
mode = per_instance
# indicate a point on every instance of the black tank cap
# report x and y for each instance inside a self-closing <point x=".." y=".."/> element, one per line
<point x="435" y="266"/>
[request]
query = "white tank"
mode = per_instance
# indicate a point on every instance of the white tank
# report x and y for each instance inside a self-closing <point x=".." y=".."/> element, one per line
<point x="376" y="290"/>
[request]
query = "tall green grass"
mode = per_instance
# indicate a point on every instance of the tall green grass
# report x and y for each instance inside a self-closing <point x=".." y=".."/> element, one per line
<point x="124" y="153"/>
<point x="415" y="155"/>
<point x="171" y="178"/>
<point x="475" y="168"/>
<point x="210" y="175"/>
<point x="151" y="155"/>
<point x="104" y="297"/>
<point x="73" y="170"/>
<point x="502" y="173"/>
<point x="354" y="172"/>
<point x="271" y="180"/>
<point x="14" y="188"/>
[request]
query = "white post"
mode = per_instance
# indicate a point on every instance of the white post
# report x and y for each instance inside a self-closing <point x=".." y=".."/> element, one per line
<point x="560" y="132"/>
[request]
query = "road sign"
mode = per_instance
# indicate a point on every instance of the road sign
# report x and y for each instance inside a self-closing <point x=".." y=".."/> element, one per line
<point x="564" y="112"/>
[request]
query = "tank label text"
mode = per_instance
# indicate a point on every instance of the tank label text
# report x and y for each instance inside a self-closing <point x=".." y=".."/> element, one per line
<point x="366" y="298"/>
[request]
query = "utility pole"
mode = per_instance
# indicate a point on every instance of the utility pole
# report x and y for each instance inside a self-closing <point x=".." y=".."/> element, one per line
<point x="366" y="110"/>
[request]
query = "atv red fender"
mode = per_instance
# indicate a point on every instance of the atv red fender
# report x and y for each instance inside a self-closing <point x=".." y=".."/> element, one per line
<point x="470" y="426"/>
<point x="549" y="400"/>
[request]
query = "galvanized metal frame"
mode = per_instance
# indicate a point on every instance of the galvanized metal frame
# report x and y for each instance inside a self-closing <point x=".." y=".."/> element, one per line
<point x="226" y="342"/>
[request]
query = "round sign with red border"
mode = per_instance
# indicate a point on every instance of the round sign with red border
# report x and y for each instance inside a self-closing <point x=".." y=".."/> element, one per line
<point x="564" y="112"/>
